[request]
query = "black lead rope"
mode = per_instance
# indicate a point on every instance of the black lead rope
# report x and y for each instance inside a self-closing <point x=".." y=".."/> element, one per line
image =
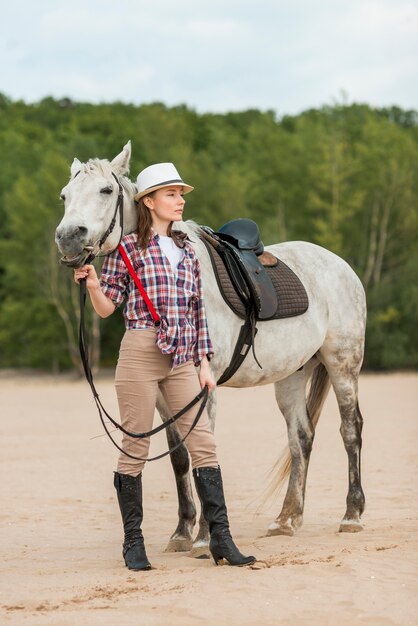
<point x="202" y="395"/>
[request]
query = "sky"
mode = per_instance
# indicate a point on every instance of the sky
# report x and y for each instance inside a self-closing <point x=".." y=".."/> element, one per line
<point x="213" y="56"/>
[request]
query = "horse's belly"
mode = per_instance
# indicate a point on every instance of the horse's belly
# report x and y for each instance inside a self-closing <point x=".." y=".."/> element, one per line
<point x="281" y="347"/>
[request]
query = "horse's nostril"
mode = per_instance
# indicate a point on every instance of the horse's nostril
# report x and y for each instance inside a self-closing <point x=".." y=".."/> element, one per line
<point x="81" y="231"/>
<point x="71" y="235"/>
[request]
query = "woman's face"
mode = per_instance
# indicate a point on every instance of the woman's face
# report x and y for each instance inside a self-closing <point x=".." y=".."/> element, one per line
<point x="166" y="205"/>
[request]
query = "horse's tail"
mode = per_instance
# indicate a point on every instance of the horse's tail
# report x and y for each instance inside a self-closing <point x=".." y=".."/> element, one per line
<point x="318" y="391"/>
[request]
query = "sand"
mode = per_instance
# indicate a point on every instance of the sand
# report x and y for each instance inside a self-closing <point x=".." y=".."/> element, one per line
<point x="61" y="531"/>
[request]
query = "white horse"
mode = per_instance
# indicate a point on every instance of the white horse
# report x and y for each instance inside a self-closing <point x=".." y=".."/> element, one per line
<point x="323" y="346"/>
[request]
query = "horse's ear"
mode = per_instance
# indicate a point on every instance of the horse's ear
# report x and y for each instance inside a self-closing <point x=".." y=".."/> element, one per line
<point x="75" y="167"/>
<point x="121" y="162"/>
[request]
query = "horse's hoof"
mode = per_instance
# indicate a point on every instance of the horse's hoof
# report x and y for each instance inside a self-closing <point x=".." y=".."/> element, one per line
<point x="351" y="526"/>
<point x="280" y="530"/>
<point x="200" y="550"/>
<point x="287" y="528"/>
<point x="179" y="544"/>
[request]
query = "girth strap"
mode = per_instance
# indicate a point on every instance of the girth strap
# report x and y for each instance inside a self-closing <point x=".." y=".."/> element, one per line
<point x="244" y="342"/>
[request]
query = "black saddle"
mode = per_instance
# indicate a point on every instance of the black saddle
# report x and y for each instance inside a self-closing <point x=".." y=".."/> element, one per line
<point x="242" y="247"/>
<point x="254" y="283"/>
<point x="244" y="234"/>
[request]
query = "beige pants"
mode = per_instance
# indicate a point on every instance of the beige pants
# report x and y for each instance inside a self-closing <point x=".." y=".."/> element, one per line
<point x="141" y="370"/>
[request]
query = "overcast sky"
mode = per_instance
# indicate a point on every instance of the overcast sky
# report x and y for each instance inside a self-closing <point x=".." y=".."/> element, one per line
<point x="216" y="55"/>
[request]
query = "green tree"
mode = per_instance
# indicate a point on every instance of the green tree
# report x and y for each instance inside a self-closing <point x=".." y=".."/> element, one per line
<point x="344" y="177"/>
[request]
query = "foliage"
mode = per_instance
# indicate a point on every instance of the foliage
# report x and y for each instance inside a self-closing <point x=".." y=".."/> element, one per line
<point x="344" y="177"/>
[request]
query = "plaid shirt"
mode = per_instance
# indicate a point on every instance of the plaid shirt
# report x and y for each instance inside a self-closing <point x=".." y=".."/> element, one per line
<point x="177" y="298"/>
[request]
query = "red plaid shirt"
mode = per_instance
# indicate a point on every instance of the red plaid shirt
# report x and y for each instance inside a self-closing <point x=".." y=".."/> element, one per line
<point x="177" y="298"/>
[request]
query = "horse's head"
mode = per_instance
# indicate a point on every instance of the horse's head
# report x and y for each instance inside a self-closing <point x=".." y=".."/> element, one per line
<point x="90" y="200"/>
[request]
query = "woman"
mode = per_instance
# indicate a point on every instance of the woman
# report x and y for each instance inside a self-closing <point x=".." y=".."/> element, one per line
<point x="161" y="357"/>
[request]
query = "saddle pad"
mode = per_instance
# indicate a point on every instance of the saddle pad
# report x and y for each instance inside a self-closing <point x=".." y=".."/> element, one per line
<point x="291" y="294"/>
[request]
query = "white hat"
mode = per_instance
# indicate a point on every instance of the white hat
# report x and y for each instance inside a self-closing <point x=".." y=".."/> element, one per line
<point x="158" y="176"/>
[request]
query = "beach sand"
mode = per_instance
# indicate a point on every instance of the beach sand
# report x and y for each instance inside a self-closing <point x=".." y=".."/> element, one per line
<point x="61" y="530"/>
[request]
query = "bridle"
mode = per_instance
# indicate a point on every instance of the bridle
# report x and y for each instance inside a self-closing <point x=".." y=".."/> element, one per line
<point x="83" y="347"/>
<point x="96" y="248"/>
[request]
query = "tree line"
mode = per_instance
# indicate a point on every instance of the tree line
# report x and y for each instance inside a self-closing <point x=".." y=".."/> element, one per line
<point x="343" y="176"/>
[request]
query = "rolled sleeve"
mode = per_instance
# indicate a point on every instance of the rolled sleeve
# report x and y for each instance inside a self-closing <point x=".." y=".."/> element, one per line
<point x="203" y="346"/>
<point x="114" y="278"/>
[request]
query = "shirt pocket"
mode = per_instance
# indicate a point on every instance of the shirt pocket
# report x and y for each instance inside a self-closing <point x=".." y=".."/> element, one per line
<point x="189" y="284"/>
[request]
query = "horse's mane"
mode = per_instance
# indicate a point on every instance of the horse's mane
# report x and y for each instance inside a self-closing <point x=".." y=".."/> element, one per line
<point x="102" y="167"/>
<point x="189" y="226"/>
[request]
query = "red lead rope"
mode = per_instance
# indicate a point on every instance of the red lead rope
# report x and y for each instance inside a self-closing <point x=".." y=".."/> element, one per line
<point x="137" y="282"/>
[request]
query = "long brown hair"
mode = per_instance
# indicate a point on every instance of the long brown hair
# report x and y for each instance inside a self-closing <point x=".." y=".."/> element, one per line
<point x="145" y="224"/>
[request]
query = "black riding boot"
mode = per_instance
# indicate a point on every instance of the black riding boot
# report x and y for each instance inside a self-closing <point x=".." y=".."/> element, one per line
<point x="208" y="481"/>
<point x="129" y="490"/>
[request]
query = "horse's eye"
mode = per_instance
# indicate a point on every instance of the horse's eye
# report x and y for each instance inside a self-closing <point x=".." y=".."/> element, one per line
<point x="106" y="190"/>
<point x="62" y="197"/>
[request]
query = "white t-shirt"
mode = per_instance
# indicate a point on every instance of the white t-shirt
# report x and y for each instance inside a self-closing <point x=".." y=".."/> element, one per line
<point x="171" y="251"/>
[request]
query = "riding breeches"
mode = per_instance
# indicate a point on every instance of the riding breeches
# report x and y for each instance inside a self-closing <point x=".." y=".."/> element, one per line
<point x="142" y="369"/>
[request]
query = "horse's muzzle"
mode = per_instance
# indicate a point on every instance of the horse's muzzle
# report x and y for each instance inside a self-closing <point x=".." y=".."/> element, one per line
<point x="76" y="260"/>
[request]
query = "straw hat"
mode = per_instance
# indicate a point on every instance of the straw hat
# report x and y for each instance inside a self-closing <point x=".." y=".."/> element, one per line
<point x="158" y="176"/>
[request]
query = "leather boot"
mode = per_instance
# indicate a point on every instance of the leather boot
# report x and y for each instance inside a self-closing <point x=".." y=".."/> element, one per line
<point x="208" y="481"/>
<point x="129" y="490"/>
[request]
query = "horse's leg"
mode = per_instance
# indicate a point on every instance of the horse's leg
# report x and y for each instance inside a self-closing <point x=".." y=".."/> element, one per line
<point x="200" y="548"/>
<point x="344" y="371"/>
<point x="181" y="540"/>
<point x="291" y="399"/>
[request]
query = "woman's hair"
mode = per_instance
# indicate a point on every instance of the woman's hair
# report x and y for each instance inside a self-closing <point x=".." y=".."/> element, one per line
<point x="145" y="223"/>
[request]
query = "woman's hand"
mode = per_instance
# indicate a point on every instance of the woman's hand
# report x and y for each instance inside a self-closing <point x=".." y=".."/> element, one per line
<point x="205" y="375"/>
<point x="88" y="272"/>
<point x="101" y="303"/>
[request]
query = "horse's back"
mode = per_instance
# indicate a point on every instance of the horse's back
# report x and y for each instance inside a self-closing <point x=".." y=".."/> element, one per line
<point x="326" y="275"/>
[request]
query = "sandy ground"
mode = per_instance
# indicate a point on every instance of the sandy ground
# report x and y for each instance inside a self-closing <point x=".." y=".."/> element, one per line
<point x="61" y="530"/>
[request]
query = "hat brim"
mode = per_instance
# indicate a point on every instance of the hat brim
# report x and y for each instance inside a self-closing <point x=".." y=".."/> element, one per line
<point x="141" y="194"/>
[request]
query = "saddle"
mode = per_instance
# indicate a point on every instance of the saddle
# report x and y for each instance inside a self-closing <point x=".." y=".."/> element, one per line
<point x="254" y="283"/>
<point x="240" y="253"/>
<point x="250" y="278"/>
